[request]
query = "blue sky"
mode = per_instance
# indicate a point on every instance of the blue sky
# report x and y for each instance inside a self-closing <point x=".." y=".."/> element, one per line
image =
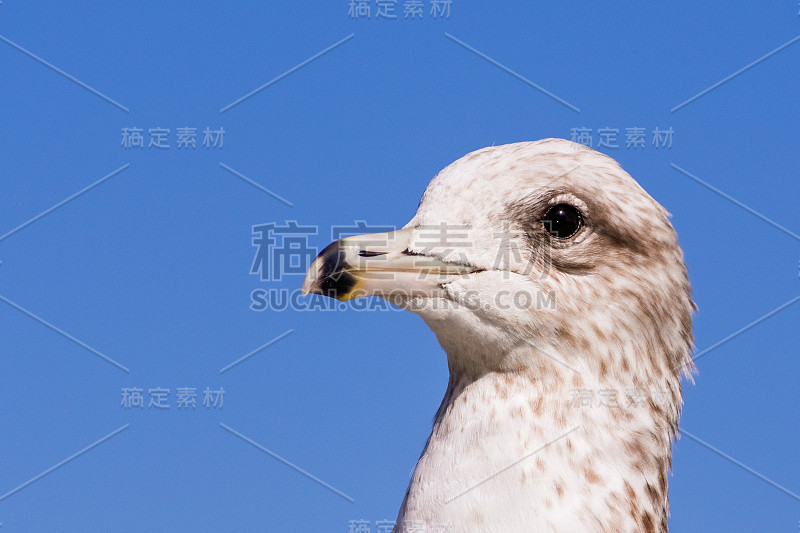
<point x="143" y="280"/>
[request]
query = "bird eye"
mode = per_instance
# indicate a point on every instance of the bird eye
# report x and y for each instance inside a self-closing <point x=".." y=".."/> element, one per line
<point x="562" y="221"/>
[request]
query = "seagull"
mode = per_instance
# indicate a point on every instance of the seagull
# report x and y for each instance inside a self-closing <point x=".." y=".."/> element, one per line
<point x="556" y="286"/>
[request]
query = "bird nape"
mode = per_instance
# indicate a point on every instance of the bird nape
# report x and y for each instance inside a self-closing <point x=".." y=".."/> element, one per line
<point x="556" y="286"/>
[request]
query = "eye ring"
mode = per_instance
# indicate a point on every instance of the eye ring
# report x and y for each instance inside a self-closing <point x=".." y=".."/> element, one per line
<point x="562" y="221"/>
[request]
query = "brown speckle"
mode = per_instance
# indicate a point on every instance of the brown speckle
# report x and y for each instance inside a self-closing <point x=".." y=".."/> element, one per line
<point x="591" y="476"/>
<point x="647" y="523"/>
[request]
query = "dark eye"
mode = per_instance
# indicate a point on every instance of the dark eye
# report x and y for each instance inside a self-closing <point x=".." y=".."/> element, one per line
<point x="562" y="221"/>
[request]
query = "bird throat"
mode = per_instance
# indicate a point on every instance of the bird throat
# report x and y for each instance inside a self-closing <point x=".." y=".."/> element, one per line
<point x="515" y="451"/>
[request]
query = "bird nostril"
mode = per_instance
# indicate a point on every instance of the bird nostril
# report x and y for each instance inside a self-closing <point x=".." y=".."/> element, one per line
<point x="409" y="252"/>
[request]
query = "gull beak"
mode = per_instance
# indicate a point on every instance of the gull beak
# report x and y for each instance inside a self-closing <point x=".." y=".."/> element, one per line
<point x="379" y="264"/>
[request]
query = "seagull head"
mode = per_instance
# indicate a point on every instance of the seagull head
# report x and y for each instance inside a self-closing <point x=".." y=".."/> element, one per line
<point x="522" y="251"/>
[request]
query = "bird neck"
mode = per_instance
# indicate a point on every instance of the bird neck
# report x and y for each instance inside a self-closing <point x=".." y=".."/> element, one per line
<point x="534" y="450"/>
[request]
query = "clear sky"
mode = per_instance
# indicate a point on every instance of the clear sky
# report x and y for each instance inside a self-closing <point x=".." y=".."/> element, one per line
<point x="138" y="285"/>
